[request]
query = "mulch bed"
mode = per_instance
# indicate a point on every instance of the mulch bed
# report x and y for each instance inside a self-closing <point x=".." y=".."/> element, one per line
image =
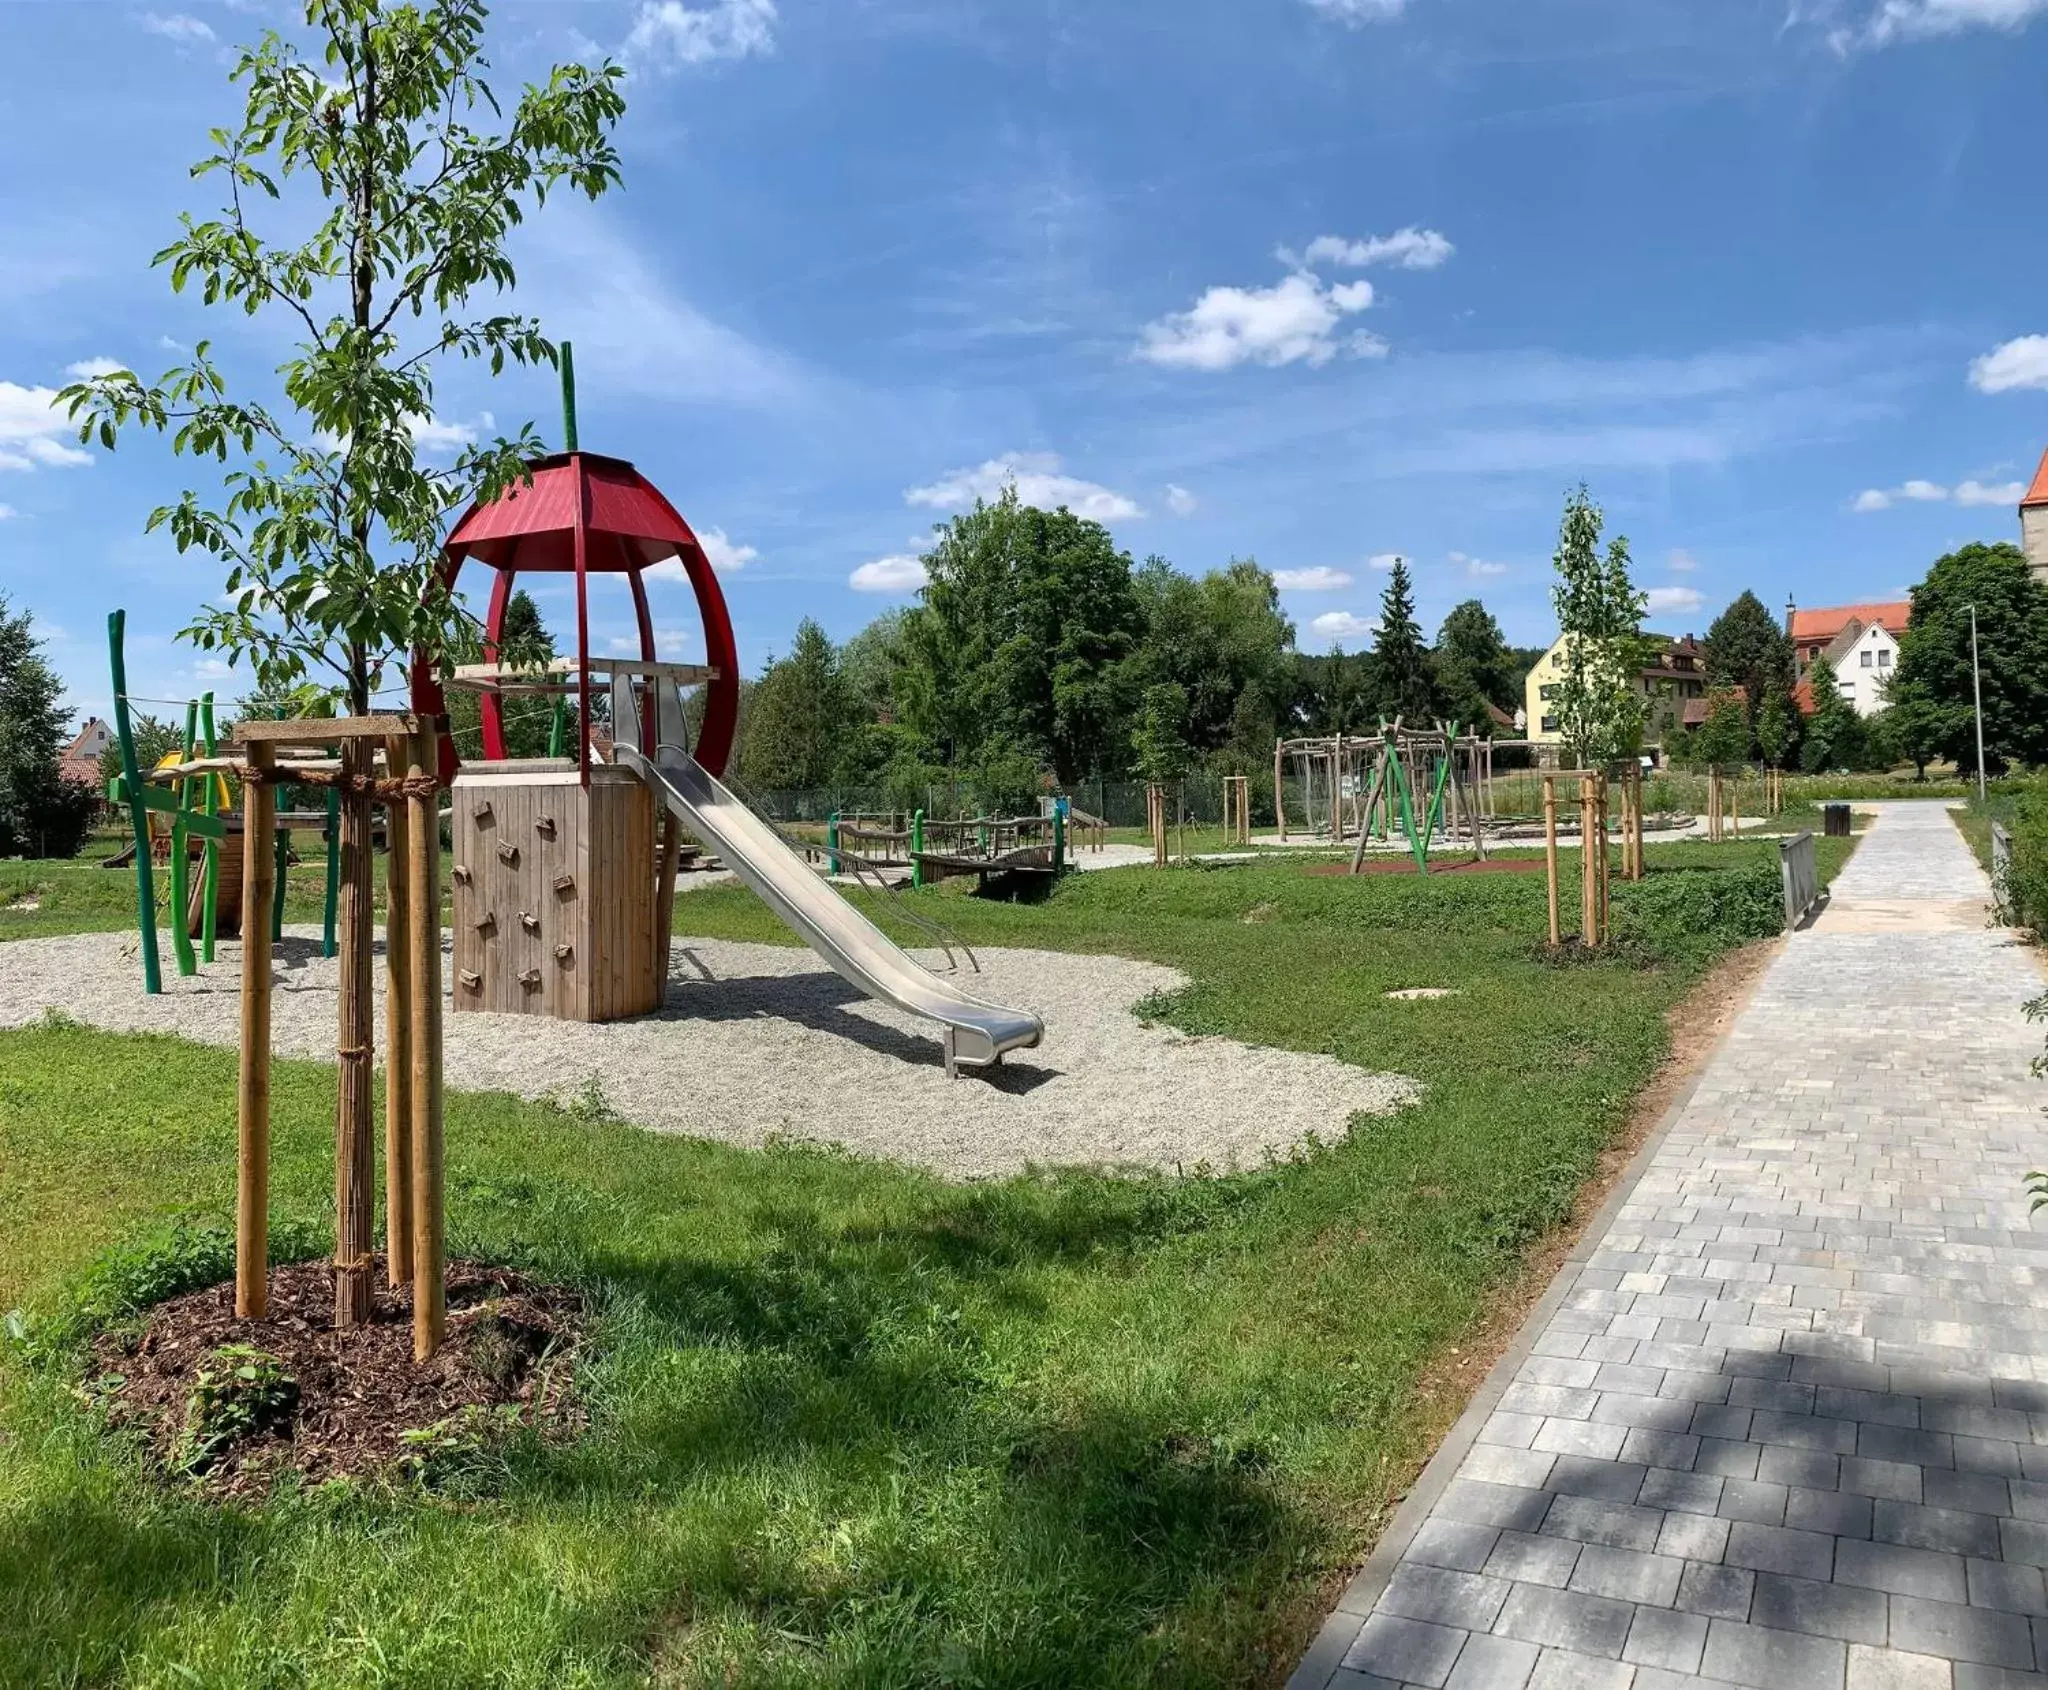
<point x="1406" y="865"/>
<point x="511" y="1345"/>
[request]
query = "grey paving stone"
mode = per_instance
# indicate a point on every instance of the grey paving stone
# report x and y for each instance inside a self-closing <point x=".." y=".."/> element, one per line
<point x="1949" y="1529"/>
<point x="1695" y="1493"/>
<point x="1608" y="1481"/>
<point x="1772" y="1660"/>
<point x="1898" y="1480"/>
<point x="1661" y="1637"/>
<point x="1567" y="1669"/>
<point x="1753" y="1500"/>
<point x="1627" y="1575"/>
<point x="1407" y="1651"/>
<point x="1838" y="1513"/>
<point x="2016" y="1589"/>
<point x="1971" y="1676"/>
<point x="1565" y="1619"/>
<point x="1444" y="1596"/>
<point x="1903" y="1572"/>
<point x="1718" y="1592"/>
<point x="1589" y="1520"/>
<point x="1693" y="1537"/>
<point x="1778" y="1549"/>
<point x="1508" y="1506"/>
<point x="1493" y="1663"/>
<point x="1893" y="1669"/>
<point x="1824" y="1610"/>
<point x="1807" y="1469"/>
<point x="1453" y="1543"/>
<point x="1960" y="1633"/>
<point x="1529" y="1559"/>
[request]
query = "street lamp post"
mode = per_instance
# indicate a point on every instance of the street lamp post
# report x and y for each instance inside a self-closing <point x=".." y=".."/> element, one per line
<point x="1977" y="698"/>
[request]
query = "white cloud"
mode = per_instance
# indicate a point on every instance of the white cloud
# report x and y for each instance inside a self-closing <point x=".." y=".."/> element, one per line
<point x="726" y="554"/>
<point x="1664" y="600"/>
<point x="2007" y="493"/>
<point x="2018" y="363"/>
<point x="1320" y="579"/>
<point x="1293" y="321"/>
<point x="1683" y="562"/>
<point x="176" y="26"/>
<point x="1384" y="561"/>
<point x="668" y="35"/>
<point x="1344" y="625"/>
<point x="1932" y="492"/>
<point x="670" y="640"/>
<point x="1411" y="248"/>
<point x="1179" y="500"/>
<point x="430" y="434"/>
<point x="1038" y="480"/>
<point x="8" y="512"/>
<point x="900" y="573"/>
<point x="34" y="432"/>
<point x="1917" y="20"/>
<point x="86" y="368"/>
<point x="212" y="669"/>
<point x="1358" y="12"/>
<point x="1477" y="567"/>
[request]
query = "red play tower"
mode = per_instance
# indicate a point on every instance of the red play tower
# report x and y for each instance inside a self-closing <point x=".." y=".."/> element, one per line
<point x="587" y="515"/>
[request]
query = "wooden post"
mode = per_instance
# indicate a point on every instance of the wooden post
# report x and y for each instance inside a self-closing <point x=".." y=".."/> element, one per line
<point x="1735" y="804"/>
<point x="429" y="1234"/>
<point x="1550" y="849"/>
<point x="1279" y="797"/>
<point x="355" y="1169"/>
<point x="1589" y="873"/>
<point x="1337" y="790"/>
<point x="1600" y="907"/>
<point x="252" y="1150"/>
<point x="397" y="1027"/>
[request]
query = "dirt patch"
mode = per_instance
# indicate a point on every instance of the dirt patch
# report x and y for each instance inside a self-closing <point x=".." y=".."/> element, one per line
<point x="1697" y="1023"/>
<point x="1406" y="865"/>
<point x="233" y="1405"/>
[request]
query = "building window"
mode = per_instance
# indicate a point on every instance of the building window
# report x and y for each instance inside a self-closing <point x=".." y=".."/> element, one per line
<point x="1868" y="657"/>
<point x="1848" y="689"/>
<point x="1884" y="657"/>
<point x="1550" y="724"/>
<point x="1546" y="692"/>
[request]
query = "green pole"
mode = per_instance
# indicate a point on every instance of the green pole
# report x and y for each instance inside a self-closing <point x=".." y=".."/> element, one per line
<point x="138" y="817"/>
<point x="181" y="856"/>
<point x="832" y="843"/>
<point x="1408" y="818"/>
<point x="210" y="916"/>
<point x="558" y="726"/>
<point x="332" y="834"/>
<point x="1059" y="836"/>
<point x="568" y="367"/>
<point x="917" y="848"/>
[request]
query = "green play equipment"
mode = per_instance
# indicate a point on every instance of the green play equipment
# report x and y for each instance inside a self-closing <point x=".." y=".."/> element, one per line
<point x="193" y="809"/>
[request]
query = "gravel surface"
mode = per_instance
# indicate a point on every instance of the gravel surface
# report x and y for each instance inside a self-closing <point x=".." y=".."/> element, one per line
<point x="763" y="1041"/>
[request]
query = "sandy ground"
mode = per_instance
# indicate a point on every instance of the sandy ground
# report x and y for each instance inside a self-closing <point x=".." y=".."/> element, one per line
<point x="762" y="1041"/>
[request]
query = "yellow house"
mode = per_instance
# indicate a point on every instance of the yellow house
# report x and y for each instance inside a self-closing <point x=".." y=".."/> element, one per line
<point x="1676" y="671"/>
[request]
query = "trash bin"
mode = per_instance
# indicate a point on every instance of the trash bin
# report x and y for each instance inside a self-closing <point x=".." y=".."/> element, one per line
<point x="1835" y="820"/>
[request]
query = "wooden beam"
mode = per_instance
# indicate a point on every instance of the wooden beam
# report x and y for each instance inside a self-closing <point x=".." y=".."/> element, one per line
<point x="335" y="730"/>
<point x="355" y="1169"/>
<point x="397" y="1032"/>
<point x="429" y="1228"/>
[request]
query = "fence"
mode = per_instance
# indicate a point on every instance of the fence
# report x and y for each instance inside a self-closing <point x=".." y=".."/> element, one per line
<point x="1801" y="875"/>
<point x="1120" y="803"/>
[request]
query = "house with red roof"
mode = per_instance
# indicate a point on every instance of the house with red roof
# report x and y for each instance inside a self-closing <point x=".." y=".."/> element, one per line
<point x="2034" y="522"/>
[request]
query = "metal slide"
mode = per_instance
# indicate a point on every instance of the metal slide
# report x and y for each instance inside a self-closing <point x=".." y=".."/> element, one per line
<point x="976" y="1033"/>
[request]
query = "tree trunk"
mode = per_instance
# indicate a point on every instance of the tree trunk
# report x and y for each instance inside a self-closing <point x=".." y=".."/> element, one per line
<point x="354" y="1147"/>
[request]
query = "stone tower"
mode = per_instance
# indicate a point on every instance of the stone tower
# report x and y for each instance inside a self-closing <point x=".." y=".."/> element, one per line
<point x="2034" y="522"/>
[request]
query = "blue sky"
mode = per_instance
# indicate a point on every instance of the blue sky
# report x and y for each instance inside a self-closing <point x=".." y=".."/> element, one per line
<point x="1314" y="281"/>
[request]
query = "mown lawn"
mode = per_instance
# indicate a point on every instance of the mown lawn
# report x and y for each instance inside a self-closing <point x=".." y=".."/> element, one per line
<point x="854" y="1425"/>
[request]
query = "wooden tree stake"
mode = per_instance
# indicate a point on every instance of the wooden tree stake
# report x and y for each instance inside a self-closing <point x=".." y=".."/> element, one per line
<point x="1550" y="850"/>
<point x="429" y="1236"/>
<point x="397" y="1029"/>
<point x="355" y="1170"/>
<point x="252" y="1149"/>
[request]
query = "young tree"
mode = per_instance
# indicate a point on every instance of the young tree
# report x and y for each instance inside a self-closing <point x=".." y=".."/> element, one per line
<point x="1747" y="647"/>
<point x="1402" y="673"/>
<point x="1474" y="666"/>
<point x="1776" y="729"/>
<point x="41" y="813"/>
<point x="332" y="526"/>
<point x="1600" y="701"/>
<point x="525" y="641"/>
<point x="1723" y="738"/>
<point x="1161" y="739"/>
<point x="1933" y="679"/>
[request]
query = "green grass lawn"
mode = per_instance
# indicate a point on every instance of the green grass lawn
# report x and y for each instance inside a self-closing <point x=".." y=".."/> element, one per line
<point x="854" y="1425"/>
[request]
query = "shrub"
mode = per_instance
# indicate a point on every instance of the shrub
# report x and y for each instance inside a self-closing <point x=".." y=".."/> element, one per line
<point x="1678" y="908"/>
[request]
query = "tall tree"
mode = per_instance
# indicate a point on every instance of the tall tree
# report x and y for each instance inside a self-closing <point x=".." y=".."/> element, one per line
<point x="798" y="718"/>
<point x="41" y="813"/>
<point x="1224" y="641"/>
<point x="1747" y="647"/>
<point x="1834" y="732"/>
<point x="1474" y="666"/>
<point x="1723" y="738"/>
<point x="1933" y="679"/>
<point x="1161" y="738"/>
<point x="1600" y="702"/>
<point x="1402" y="675"/>
<point x="332" y="526"/>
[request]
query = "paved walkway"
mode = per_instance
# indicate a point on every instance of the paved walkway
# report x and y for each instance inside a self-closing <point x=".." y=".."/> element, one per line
<point x="1784" y="1421"/>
